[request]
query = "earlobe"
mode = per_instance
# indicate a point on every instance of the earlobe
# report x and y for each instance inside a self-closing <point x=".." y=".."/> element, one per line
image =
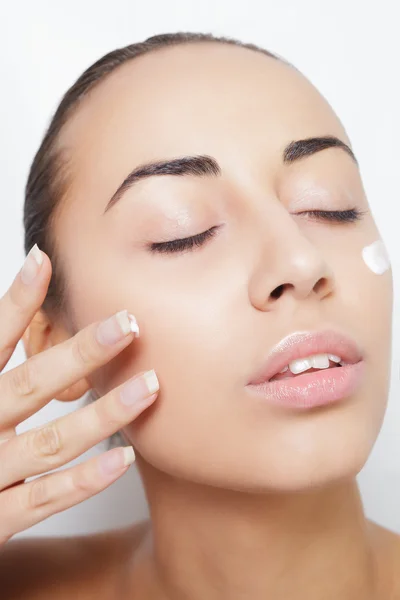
<point x="35" y="337"/>
<point x="41" y="334"/>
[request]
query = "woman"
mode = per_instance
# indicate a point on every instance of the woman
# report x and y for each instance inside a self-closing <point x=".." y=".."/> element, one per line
<point x="205" y="191"/>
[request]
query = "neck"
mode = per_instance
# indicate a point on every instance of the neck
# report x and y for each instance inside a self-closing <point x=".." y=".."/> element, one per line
<point x="220" y="545"/>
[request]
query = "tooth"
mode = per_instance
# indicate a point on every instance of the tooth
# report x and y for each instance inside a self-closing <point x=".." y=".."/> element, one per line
<point x="284" y="369"/>
<point x="334" y="358"/>
<point x="320" y="361"/>
<point x="300" y="365"/>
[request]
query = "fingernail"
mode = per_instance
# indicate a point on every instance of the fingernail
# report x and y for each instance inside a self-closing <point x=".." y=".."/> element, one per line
<point x="115" y="328"/>
<point x="31" y="266"/>
<point x="116" y="459"/>
<point x="139" y="388"/>
<point x="129" y="455"/>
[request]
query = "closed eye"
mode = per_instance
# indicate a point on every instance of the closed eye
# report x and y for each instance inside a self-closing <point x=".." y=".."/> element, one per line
<point x="183" y="244"/>
<point x="340" y="216"/>
<point x="189" y="243"/>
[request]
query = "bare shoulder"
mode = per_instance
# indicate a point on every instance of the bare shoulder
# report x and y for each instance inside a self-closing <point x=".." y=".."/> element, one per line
<point x="86" y="566"/>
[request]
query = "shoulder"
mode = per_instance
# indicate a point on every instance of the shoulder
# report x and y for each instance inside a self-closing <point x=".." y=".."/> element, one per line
<point x="59" y="567"/>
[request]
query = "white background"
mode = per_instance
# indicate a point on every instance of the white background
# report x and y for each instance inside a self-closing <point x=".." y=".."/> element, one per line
<point x="349" y="49"/>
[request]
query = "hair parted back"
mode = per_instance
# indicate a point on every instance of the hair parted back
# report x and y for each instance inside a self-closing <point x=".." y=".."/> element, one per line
<point x="48" y="177"/>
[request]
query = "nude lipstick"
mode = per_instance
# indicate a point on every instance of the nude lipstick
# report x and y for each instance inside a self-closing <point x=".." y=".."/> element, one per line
<point x="309" y="369"/>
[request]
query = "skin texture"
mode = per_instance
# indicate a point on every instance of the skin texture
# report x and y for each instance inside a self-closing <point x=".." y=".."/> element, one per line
<point x="246" y="500"/>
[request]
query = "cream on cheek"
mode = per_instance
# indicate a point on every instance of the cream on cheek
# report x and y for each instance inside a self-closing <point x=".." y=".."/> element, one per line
<point x="376" y="257"/>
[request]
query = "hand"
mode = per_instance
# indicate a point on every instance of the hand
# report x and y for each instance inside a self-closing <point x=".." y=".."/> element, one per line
<point x="28" y="387"/>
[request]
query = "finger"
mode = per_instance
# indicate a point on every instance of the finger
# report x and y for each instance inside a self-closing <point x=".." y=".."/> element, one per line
<point x="31" y="502"/>
<point x="56" y="443"/>
<point x="42" y="376"/>
<point x="22" y="300"/>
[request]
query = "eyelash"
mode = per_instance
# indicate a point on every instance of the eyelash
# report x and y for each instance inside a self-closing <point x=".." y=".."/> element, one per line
<point x="184" y="244"/>
<point x="175" y="246"/>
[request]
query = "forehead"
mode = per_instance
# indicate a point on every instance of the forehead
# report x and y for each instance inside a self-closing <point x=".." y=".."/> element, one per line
<point x="205" y="98"/>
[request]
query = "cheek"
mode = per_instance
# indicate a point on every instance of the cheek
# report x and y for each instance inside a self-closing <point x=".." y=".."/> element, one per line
<point x="184" y="336"/>
<point x="378" y="301"/>
<point x="365" y="306"/>
<point x="375" y="292"/>
<point x="187" y="334"/>
<point x="190" y="342"/>
<point x="366" y="280"/>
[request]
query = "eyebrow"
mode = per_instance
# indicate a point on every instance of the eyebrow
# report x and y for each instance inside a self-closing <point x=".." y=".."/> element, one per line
<point x="207" y="166"/>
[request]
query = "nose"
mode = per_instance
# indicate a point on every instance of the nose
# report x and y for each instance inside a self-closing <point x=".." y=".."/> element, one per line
<point x="291" y="265"/>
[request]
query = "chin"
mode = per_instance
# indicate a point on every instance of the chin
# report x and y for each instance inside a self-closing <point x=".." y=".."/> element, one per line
<point x="294" y="464"/>
<point x="302" y="461"/>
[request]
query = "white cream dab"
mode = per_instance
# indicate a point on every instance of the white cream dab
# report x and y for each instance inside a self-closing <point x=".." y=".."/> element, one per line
<point x="376" y="257"/>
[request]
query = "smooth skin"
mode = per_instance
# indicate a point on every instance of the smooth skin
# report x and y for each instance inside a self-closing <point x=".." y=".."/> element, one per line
<point x="246" y="500"/>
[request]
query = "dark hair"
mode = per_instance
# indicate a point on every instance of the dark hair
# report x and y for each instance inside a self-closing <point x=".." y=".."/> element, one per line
<point x="47" y="181"/>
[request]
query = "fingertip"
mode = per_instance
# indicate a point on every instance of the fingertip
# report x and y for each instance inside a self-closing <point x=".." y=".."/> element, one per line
<point x="46" y="265"/>
<point x="36" y="267"/>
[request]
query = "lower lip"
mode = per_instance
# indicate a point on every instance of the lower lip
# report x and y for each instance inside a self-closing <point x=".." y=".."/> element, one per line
<point x="308" y="390"/>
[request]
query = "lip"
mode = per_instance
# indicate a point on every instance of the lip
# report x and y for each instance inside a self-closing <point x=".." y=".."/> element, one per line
<point x="310" y="390"/>
<point x="306" y="343"/>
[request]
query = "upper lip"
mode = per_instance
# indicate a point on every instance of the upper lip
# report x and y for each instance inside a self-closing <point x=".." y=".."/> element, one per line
<point x="303" y="344"/>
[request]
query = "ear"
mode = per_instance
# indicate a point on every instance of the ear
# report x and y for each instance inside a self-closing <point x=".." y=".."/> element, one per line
<point x="43" y="333"/>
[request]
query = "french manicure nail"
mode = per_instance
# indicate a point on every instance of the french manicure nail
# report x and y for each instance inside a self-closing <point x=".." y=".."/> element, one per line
<point x="139" y="388"/>
<point x="114" y="460"/>
<point x="31" y="266"/>
<point x="129" y="455"/>
<point x="115" y="328"/>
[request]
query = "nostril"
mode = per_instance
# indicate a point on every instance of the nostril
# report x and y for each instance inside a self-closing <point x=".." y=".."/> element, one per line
<point x="277" y="292"/>
<point x="321" y="283"/>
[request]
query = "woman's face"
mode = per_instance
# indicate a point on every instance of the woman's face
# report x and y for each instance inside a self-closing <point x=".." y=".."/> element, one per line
<point x="206" y="315"/>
